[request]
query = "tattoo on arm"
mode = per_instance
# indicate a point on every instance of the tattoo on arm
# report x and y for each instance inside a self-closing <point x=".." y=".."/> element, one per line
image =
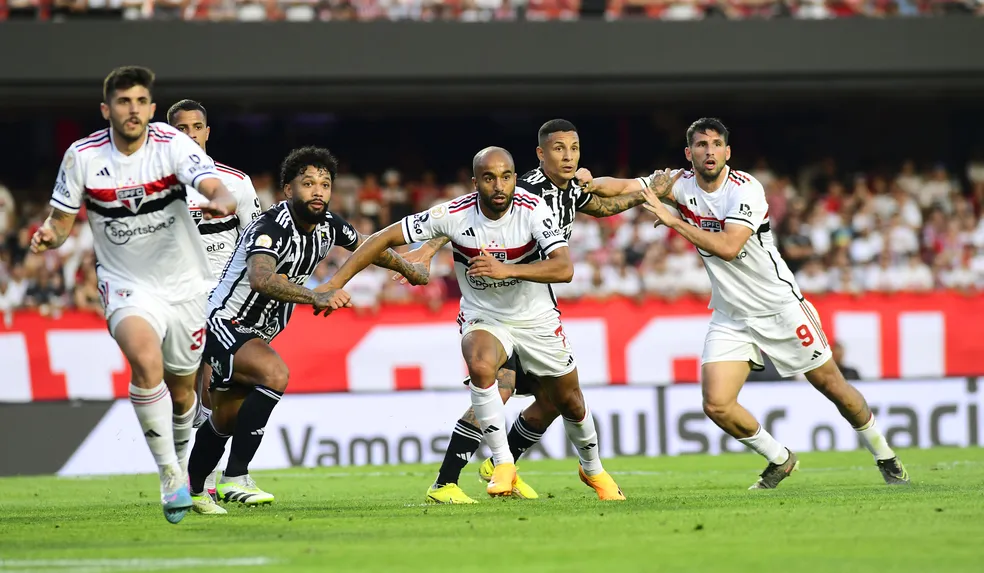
<point x="600" y="206"/>
<point x="263" y="278"/>
<point x="438" y="243"/>
<point x="387" y="259"/>
<point x="61" y="224"/>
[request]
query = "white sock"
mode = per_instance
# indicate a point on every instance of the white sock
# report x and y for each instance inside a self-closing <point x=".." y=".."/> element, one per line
<point x="153" y="408"/>
<point x="202" y="416"/>
<point x="584" y="437"/>
<point x="766" y="446"/>
<point x="184" y="425"/>
<point x="491" y="416"/>
<point x="873" y="439"/>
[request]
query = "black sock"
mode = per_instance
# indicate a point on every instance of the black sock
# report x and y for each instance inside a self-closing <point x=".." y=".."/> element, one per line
<point x="209" y="446"/>
<point x="253" y="417"/>
<point x="522" y="437"/>
<point x="465" y="441"/>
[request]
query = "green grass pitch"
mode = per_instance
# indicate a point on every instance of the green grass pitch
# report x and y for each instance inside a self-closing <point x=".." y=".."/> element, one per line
<point x="685" y="514"/>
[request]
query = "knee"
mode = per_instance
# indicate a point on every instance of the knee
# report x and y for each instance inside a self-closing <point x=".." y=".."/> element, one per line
<point x="181" y="396"/>
<point x="224" y="420"/>
<point x="716" y="410"/>
<point x="276" y="377"/>
<point x="482" y="372"/>
<point x="571" y="404"/>
<point x="147" y="367"/>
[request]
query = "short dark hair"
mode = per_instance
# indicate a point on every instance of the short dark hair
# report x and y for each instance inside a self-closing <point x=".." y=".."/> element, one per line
<point x="553" y="126"/>
<point x="186" y="105"/>
<point x="705" y="124"/>
<point x="303" y="157"/>
<point x="126" y="77"/>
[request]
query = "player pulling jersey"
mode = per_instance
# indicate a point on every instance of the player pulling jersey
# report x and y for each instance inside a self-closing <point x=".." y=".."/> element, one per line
<point x="520" y="237"/>
<point x="564" y="203"/>
<point x="220" y="235"/>
<point x="755" y="299"/>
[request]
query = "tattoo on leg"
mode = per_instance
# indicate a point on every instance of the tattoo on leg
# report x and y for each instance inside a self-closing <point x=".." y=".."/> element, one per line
<point x="507" y="379"/>
<point x="470" y="418"/>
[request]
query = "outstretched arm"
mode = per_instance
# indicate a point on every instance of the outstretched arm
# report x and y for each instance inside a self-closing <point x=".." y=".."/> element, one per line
<point x="600" y="206"/>
<point x="389" y="259"/>
<point x="613" y="196"/>
<point x="367" y="253"/>
<point x="558" y="268"/>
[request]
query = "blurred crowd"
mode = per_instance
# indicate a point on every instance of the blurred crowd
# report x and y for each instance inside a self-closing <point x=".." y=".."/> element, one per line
<point x="472" y="10"/>
<point x="917" y="229"/>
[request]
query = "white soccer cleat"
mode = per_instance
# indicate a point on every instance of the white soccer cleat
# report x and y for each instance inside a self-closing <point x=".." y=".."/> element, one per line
<point x="204" y="504"/>
<point x="210" y="484"/>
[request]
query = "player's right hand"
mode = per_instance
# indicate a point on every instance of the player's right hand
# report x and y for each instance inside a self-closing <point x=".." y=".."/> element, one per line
<point x="417" y="256"/>
<point x="43" y="239"/>
<point x="330" y="300"/>
<point x="584" y="178"/>
<point x="663" y="181"/>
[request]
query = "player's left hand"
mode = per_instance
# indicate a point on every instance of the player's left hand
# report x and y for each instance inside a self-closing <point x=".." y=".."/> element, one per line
<point x="663" y="181"/>
<point x="329" y="300"/>
<point x="584" y="178"/>
<point x="43" y="239"/>
<point x="419" y="256"/>
<point x="485" y="265"/>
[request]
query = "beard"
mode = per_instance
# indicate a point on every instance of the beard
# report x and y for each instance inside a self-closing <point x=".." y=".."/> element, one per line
<point x="308" y="214"/>
<point x="121" y="129"/>
<point x="488" y="204"/>
<point x="709" y="174"/>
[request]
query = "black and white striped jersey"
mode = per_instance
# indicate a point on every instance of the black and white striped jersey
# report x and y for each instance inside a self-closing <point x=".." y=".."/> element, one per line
<point x="563" y="202"/>
<point x="298" y="254"/>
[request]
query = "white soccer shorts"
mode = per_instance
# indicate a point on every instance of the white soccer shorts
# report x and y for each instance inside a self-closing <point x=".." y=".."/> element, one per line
<point x="542" y="349"/>
<point x="793" y="338"/>
<point x="181" y="326"/>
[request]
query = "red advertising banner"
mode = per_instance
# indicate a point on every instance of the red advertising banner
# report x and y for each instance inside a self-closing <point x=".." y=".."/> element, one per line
<point x="410" y="347"/>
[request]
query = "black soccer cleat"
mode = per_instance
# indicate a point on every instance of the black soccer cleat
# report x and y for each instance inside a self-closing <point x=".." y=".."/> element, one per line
<point x="775" y="473"/>
<point x="893" y="471"/>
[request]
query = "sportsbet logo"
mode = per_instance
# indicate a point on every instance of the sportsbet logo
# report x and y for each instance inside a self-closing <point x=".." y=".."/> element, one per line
<point x="119" y="233"/>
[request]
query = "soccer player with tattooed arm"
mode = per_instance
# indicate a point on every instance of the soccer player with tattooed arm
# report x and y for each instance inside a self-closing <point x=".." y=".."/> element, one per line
<point x="252" y="304"/>
<point x="507" y="307"/>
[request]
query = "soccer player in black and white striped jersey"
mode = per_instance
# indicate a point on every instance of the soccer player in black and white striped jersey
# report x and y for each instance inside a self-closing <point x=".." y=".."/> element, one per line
<point x="253" y="302"/>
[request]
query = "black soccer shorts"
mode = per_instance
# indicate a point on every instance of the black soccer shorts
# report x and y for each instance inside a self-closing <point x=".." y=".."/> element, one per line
<point x="223" y="339"/>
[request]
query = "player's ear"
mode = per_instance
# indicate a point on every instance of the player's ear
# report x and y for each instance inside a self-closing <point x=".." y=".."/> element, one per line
<point x="153" y="110"/>
<point x="690" y="156"/>
<point x="208" y="131"/>
<point x="539" y="153"/>
<point x="727" y="153"/>
<point x="105" y="110"/>
<point x="475" y="183"/>
<point x="288" y="192"/>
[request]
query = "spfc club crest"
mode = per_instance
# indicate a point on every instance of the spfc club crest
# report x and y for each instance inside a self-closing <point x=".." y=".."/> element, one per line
<point x="496" y="251"/>
<point x="131" y="197"/>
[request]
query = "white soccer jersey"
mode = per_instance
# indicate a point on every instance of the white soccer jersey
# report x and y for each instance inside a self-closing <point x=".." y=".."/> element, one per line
<point x="143" y="233"/>
<point x="526" y="230"/>
<point x="757" y="282"/>
<point x="220" y="235"/>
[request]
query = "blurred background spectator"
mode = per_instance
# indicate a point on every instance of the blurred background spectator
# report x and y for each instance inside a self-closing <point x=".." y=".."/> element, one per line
<point x="476" y="10"/>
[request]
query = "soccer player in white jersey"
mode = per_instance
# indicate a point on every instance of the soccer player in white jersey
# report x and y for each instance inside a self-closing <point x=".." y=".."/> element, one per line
<point x="153" y="272"/>
<point x="506" y="305"/>
<point x="218" y="234"/>
<point x="757" y="304"/>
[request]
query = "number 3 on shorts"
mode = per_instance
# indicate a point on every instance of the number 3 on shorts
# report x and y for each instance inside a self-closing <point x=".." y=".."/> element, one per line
<point x="197" y="338"/>
<point x="804" y="334"/>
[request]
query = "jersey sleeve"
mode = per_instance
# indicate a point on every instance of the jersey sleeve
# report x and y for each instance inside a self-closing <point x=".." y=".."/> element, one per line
<point x="268" y="237"/>
<point x="545" y="230"/>
<point x="190" y="163"/>
<point x="346" y="236"/>
<point x="426" y="225"/>
<point x="67" y="194"/>
<point x="748" y="207"/>
<point x="581" y="199"/>
<point x="248" y="208"/>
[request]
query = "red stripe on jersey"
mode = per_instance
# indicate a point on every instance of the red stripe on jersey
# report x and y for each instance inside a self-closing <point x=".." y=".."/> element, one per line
<point x="512" y="253"/>
<point x="94" y="145"/>
<point x="226" y="169"/>
<point x="109" y="195"/>
<point x="523" y="205"/>
<point x="463" y="206"/>
<point x="93" y="136"/>
<point x="686" y="212"/>
<point x="526" y="196"/>
<point x="464" y="198"/>
<point x="737" y="178"/>
<point x="688" y="175"/>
